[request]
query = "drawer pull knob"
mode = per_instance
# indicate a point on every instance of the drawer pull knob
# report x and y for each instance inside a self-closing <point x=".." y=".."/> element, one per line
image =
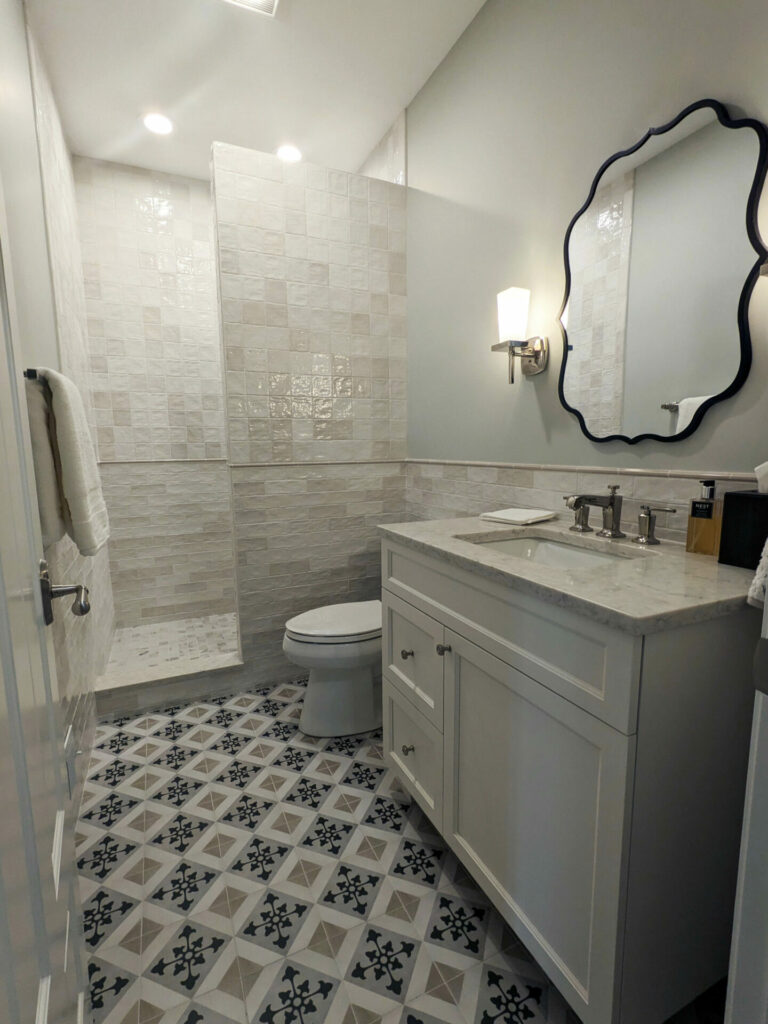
<point x="405" y="655"/>
<point x="443" y="649"/>
<point x="408" y="749"/>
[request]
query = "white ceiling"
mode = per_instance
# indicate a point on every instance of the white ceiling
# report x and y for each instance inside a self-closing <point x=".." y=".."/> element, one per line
<point x="327" y="75"/>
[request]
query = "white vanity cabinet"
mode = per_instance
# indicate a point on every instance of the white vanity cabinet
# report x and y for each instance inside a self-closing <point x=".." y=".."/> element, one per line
<point x="589" y="779"/>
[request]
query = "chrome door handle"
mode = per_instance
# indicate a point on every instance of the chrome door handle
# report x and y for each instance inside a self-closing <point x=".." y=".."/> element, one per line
<point x="405" y="655"/>
<point x="48" y="593"/>
<point x="443" y="649"/>
<point x="408" y="749"/>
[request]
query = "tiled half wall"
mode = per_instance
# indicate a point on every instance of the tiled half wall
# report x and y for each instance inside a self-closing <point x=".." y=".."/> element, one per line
<point x="306" y="536"/>
<point x="443" y="490"/>
<point x="171" y="552"/>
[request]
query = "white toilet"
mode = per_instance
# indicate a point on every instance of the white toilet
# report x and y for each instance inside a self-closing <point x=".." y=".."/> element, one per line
<point x="340" y="644"/>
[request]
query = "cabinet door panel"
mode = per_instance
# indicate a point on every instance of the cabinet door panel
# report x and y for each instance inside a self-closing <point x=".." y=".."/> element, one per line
<point x="536" y="793"/>
<point x="409" y="647"/>
<point x="414" y="748"/>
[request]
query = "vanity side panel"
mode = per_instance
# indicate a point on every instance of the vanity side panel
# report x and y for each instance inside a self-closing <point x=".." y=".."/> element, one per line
<point x="694" y="720"/>
<point x="592" y="665"/>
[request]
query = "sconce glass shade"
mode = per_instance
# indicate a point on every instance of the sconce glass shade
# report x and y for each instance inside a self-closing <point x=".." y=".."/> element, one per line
<point x="513" y="314"/>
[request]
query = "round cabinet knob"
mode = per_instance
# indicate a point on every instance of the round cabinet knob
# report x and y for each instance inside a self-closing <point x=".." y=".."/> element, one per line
<point x="443" y="649"/>
<point x="405" y="655"/>
<point x="408" y="749"/>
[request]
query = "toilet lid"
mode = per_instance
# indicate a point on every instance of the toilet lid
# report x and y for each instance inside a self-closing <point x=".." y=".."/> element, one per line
<point x="356" y="620"/>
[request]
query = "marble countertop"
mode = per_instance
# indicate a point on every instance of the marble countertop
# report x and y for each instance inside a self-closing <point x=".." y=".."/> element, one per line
<point x="645" y="590"/>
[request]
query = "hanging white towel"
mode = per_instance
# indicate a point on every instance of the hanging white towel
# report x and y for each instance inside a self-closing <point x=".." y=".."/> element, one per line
<point x="44" y="459"/>
<point x="686" y="409"/>
<point x="82" y="501"/>
<point x="756" y="595"/>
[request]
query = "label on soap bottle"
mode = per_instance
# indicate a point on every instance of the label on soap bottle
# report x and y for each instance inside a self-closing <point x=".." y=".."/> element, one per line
<point x="702" y="509"/>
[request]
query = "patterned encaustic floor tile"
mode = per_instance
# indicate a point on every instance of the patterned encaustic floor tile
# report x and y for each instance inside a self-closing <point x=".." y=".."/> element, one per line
<point x="236" y="871"/>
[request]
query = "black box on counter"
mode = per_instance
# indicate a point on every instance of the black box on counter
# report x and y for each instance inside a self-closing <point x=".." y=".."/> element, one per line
<point x="745" y="528"/>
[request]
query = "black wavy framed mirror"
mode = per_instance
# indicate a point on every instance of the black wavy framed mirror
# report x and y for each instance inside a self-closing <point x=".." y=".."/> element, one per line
<point x="660" y="264"/>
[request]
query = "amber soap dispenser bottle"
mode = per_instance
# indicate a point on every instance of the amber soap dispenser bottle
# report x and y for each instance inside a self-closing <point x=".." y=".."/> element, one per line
<point x="705" y="521"/>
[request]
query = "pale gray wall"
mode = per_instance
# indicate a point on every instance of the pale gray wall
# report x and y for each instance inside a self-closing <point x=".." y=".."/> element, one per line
<point x="25" y="249"/>
<point x="689" y="257"/>
<point x="503" y="143"/>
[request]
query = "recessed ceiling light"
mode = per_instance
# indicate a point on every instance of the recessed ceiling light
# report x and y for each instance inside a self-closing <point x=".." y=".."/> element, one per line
<point x="262" y="6"/>
<point x="291" y="154"/>
<point x="158" y="123"/>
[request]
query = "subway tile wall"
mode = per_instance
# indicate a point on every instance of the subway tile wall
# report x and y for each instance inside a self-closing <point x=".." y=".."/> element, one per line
<point x="313" y="297"/>
<point x="81" y="645"/>
<point x="150" y="287"/>
<point x="443" y="490"/>
<point x="171" y="552"/>
<point x="306" y="536"/>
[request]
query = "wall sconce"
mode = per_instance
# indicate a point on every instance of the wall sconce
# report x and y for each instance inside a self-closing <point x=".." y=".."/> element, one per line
<point x="513" y="325"/>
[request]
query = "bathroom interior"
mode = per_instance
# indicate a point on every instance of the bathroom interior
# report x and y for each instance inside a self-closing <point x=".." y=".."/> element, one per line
<point x="385" y="392"/>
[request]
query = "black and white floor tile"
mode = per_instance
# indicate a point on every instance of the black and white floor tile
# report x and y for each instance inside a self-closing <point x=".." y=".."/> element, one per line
<point x="236" y="871"/>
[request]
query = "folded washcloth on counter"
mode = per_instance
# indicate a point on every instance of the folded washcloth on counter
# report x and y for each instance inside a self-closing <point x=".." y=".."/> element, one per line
<point x="756" y="595"/>
<point x="69" y="485"/>
<point x="519" y="516"/>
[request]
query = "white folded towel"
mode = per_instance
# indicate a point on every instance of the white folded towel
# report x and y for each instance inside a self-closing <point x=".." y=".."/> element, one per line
<point x="82" y="502"/>
<point x="686" y="409"/>
<point x="518" y="516"/>
<point x="44" y="459"/>
<point x="756" y="595"/>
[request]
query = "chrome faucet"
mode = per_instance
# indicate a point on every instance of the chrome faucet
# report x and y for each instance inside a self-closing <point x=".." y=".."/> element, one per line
<point x="610" y="504"/>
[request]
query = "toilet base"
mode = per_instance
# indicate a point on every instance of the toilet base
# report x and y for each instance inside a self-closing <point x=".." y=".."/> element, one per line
<point x="341" y="702"/>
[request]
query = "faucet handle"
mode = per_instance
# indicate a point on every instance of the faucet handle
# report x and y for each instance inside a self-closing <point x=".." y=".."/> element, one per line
<point x="646" y="523"/>
<point x="614" y="487"/>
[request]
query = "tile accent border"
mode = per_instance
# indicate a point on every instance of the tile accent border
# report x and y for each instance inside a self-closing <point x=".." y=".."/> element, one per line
<point x="683" y="474"/>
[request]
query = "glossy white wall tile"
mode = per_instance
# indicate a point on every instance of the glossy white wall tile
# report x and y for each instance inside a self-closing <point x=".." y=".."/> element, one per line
<point x="150" y="285"/>
<point x="312" y="277"/>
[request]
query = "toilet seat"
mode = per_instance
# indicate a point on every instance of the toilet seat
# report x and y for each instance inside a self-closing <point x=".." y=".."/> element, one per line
<point x="348" y="623"/>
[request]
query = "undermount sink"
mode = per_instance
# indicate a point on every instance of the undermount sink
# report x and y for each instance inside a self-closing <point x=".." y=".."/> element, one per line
<point x="551" y="552"/>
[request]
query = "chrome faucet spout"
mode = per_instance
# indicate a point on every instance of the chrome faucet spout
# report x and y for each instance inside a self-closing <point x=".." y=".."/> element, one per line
<point x="610" y="504"/>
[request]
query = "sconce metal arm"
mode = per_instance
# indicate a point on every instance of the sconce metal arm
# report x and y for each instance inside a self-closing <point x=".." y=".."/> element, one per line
<point x="533" y="354"/>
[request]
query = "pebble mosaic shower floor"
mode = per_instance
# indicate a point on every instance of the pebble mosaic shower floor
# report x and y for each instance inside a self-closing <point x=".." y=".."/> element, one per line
<point x="235" y="870"/>
<point x="162" y="650"/>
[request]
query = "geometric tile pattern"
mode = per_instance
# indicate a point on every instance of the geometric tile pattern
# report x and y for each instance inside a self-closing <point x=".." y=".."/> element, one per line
<point x="236" y="871"/>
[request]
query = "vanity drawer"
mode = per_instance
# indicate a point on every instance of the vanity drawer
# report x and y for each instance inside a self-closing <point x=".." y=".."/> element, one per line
<point x="414" y="748"/>
<point x="594" y="666"/>
<point x="410" y="642"/>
